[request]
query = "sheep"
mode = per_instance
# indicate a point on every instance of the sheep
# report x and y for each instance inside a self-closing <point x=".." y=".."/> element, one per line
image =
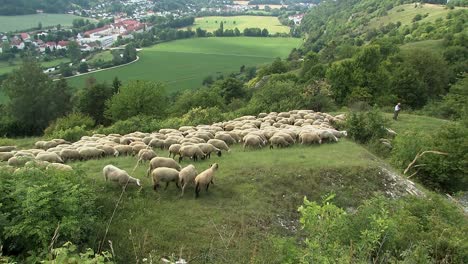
<point x="144" y="155"/>
<point x="49" y="157"/>
<point x="166" y="175"/>
<point x="69" y="154"/>
<point x="174" y="149"/>
<point x="123" y="150"/>
<point x="5" y="156"/>
<point x="91" y="153"/>
<point x="226" y="138"/>
<point x="17" y="161"/>
<point x="37" y="163"/>
<point x="162" y="162"/>
<point x="327" y="135"/>
<point x="58" y="166"/>
<point x="252" y="141"/>
<point x="115" y="174"/>
<point x="193" y="152"/>
<point x="219" y="144"/>
<point x="157" y="143"/>
<point x="278" y="141"/>
<point x="7" y="148"/>
<point x="207" y="148"/>
<point x="205" y="178"/>
<point x="310" y="138"/>
<point x="187" y="175"/>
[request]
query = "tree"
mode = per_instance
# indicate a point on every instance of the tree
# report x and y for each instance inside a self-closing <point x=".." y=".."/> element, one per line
<point x="265" y="32"/>
<point x="39" y="25"/>
<point x="129" y="53"/>
<point x="92" y="100"/>
<point x="137" y="98"/>
<point x="34" y="99"/>
<point x="74" y="52"/>
<point x="66" y="70"/>
<point x="116" y="83"/>
<point x="83" y="67"/>
<point x="231" y="88"/>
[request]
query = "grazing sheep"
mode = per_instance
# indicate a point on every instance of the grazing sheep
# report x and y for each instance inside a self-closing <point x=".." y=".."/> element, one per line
<point x="58" y="166"/>
<point x="187" y="175"/>
<point x="157" y="143"/>
<point x="49" y="157"/>
<point x="207" y="148"/>
<point x="144" y="155"/>
<point x="37" y="163"/>
<point x="87" y="153"/>
<point x="310" y="138"/>
<point x="219" y="144"/>
<point x="115" y="174"/>
<point x="166" y="175"/>
<point x="162" y="162"/>
<point x="123" y="150"/>
<point x="69" y="154"/>
<point x="17" y="161"/>
<point x="7" y="148"/>
<point x="174" y="149"/>
<point x="205" y="178"/>
<point x="226" y="138"/>
<point x="5" y="156"/>
<point x="193" y="152"/>
<point x="278" y="141"/>
<point x="252" y="141"/>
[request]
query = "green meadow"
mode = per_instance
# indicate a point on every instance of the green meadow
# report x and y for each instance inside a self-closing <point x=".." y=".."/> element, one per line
<point x="13" y="23"/>
<point x="183" y="64"/>
<point x="212" y="23"/>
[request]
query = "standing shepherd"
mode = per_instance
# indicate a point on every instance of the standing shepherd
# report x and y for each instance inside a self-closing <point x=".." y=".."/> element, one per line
<point x="397" y="111"/>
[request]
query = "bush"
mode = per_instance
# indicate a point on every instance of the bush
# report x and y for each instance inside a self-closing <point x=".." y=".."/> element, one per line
<point x="67" y="254"/>
<point x="366" y="126"/>
<point x="34" y="203"/>
<point x="441" y="172"/>
<point x="406" y="230"/>
<point x="137" y="123"/>
<point x="68" y="122"/>
<point x="71" y="134"/>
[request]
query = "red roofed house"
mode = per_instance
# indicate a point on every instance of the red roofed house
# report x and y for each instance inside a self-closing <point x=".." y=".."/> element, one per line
<point x="62" y="44"/>
<point x="18" y="43"/>
<point x="98" y="31"/>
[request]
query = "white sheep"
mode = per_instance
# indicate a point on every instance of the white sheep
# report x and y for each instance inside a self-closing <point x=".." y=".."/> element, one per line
<point x="115" y="174"/>
<point x="58" y="166"/>
<point x="219" y="144"/>
<point x="5" y="156"/>
<point x="278" y="141"/>
<point x="7" y="148"/>
<point x="162" y="162"/>
<point x="187" y="175"/>
<point x="205" y="178"/>
<point x="208" y="148"/>
<point x="193" y="152"/>
<point x="174" y="149"/>
<point x="166" y="175"/>
<point x="49" y="157"/>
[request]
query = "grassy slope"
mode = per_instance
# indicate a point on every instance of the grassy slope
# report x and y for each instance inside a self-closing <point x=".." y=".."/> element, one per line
<point x="5" y="67"/>
<point x="12" y="23"/>
<point x="212" y="23"/>
<point x="408" y="122"/>
<point x="406" y="16"/>
<point x="434" y="45"/>
<point x="183" y="64"/>
<point x="254" y="192"/>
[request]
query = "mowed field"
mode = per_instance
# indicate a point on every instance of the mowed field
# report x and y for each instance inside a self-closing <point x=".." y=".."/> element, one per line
<point x="406" y="13"/>
<point x="211" y="23"/>
<point x="183" y="64"/>
<point x="12" y="23"/>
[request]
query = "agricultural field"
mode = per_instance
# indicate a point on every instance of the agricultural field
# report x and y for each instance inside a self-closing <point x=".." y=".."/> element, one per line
<point x="183" y="64"/>
<point x="406" y="13"/>
<point x="261" y="7"/>
<point x="211" y="23"/>
<point x="13" y="23"/>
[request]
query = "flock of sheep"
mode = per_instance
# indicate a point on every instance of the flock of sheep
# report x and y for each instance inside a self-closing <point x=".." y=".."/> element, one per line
<point x="193" y="142"/>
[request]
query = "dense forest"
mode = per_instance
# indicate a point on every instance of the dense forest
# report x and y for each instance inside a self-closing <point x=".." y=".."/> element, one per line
<point x="23" y="7"/>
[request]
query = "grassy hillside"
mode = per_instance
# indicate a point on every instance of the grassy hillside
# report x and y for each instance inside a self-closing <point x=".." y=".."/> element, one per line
<point x="434" y="45"/>
<point x="183" y="64"/>
<point x="254" y="199"/>
<point x="212" y="23"/>
<point x="12" y="23"/>
<point x="406" y="13"/>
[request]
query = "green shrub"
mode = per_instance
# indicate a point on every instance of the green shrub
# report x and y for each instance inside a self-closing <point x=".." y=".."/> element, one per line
<point x="68" y="254"/>
<point x="71" y="134"/>
<point x="6" y="142"/>
<point x="137" y="123"/>
<point x="68" y="122"/>
<point x="382" y="230"/>
<point x="35" y="203"/>
<point x="442" y="172"/>
<point x="366" y="126"/>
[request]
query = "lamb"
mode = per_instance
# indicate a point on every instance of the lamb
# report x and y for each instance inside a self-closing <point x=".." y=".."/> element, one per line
<point x="205" y="178"/>
<point x="49" y="157"/>
<point x="187" y="175"/>
<point x="162" y="162"/>
<point x="193" y="152"/>
<point x="7" y="148"/>
<point x="115" y="174"/>
<point x="166" y="175"/>
<point x="207" y="148"/>
<point x="219" y="144"/>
